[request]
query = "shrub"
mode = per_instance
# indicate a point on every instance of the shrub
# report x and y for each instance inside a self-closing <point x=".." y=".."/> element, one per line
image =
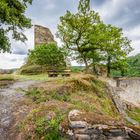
<point x="48" y="55"/>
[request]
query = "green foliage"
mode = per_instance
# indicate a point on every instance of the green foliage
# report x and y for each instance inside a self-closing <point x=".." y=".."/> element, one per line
<point x="61" y="96"/>
<point x="38" y="77"/>
<point x="133" y="67"/>
<point x="84" y="6"/>
<point x="134" y="114"/>
<point x="13" y="19"/>
<point x="93" y="42"/>
<point x="117" y="48"/>
<point x="53" y="131"/>
<point x="36" y="95"/>
<point x="77" y="69"/>
<point x="40" y="125"/>
<point x="4" y="41"/>
<point x="134" y="61"/>
<point x="48" y="55"/>
<point x="49" y="129"/>
<point x="39" y="96"/>
<point x="74" y="28"/>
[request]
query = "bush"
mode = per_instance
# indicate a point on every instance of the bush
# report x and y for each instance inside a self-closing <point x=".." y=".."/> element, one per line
<point x="48" y="55"/>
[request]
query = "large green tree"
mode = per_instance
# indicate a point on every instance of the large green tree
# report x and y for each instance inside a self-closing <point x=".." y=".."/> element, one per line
<point x="108" y="46"/>
<point x="13" y="19"/>
<point x="74" y="29"/>
<point x="115" y="48"/>
<point x="92" y="41"/>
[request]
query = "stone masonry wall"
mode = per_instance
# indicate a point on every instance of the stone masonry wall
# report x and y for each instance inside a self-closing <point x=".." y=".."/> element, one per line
<point x="43" y="35"/>
<point x="80" y="128"/>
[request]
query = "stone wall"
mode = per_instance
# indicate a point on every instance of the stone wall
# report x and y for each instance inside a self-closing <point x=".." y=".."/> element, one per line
<point x="43" y="35"/>
<point x="96" y="127"/>
<point x="129" y="90"/>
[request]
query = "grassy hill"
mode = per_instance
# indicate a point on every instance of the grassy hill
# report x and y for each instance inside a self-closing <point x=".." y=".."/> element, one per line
<point x="56" y="97"/>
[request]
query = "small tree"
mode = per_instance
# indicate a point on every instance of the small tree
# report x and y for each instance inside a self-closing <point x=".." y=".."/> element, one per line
<point x="48" y="55"/>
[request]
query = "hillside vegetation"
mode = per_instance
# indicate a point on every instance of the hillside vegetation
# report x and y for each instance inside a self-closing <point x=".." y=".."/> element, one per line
<point x="6" y="79"/>
<point x="53" y="100"/>
<point x="133" y="67"/>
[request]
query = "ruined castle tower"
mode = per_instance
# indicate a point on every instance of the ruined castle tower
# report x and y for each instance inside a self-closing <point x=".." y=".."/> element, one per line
<point x="42" y="35"/>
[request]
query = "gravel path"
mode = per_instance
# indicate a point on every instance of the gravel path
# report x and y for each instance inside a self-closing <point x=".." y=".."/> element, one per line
<point x="9" y="100"/>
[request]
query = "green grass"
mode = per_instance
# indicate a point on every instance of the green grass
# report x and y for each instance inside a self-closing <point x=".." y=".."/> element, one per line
<point x="84" y="93"/>
<point x="60" y="96"/>
<point x="77" y="69"/>
<point x="40" y="126"/>
<point x="37" y="95"/>
<point x="134" y="114"/>
<point x="40" y="77"/>
<point x="6" y="77"/>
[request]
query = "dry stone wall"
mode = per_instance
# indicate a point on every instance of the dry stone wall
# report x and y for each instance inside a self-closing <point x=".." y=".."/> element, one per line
<point x="80" y="128"/>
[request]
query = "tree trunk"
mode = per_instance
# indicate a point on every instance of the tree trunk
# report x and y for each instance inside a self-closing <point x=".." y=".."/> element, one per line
<point x="86" y="64"/>
<point x="108" y="66"/>
<point x="122" y="73"/>
<point x="95" y="70"/>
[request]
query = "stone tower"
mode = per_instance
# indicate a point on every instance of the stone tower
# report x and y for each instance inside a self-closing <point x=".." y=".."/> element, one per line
<point x="42" y="35"/>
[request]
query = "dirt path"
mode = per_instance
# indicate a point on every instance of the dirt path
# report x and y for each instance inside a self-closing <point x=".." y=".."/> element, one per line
<point x="10" y="98"/>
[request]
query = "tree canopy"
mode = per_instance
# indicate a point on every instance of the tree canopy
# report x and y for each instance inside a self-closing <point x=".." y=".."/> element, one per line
<point x="13" y="19"/>
<point x="91" y="41"/>
<point x="74" y="28"/>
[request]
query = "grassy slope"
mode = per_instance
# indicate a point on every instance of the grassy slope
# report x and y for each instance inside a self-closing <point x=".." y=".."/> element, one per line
<point x="134" y="113"/>
<point x="6" y="79"/>
<point x="55" y="98"/>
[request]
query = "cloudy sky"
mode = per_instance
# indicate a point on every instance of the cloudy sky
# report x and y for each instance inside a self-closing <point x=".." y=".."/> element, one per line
<point x="122" y="13"/>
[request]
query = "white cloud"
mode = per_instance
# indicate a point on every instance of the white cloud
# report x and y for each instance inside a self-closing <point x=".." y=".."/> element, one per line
<point x="18" y="47"/>
<point x="136" y="46"/>
<point x="11" y="60"/>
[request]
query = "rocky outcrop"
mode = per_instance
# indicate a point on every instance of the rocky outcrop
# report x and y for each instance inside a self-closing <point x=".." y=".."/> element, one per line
<point x="122" y="97"/>
<point x="43" y="35"/>
<point x="89" y="126"/>
<point x="130" y="90"/>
